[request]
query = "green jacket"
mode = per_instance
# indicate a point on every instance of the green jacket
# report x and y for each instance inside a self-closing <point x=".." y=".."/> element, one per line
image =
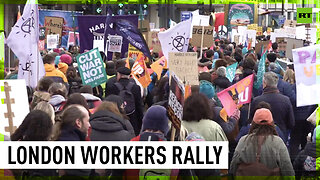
<point x="274" y="154"/>
<point x="210" y="130"/>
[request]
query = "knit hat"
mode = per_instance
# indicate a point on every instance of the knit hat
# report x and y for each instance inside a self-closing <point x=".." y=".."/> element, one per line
<point x="206" y="88"/>
<point x="65" y="58"/>
<point x="263" y="116"/>
<point x="316" y="134"/>
<point x="57" y="60"/>
<point x="63" y="67"/>
<point x="156" y="119"/>
<point x="194" y="137"/>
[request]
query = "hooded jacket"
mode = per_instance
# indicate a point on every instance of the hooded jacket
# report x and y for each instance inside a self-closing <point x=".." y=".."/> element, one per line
<point x="51" y="71"/>
<point x="107" y="126"/>
<point x="274" y="154"/>
<point x="306" y="161"/>
<point x="57" y="101"/>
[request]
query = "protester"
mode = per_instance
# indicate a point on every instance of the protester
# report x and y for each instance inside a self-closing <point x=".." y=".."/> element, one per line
<point x="41" y="93"/>
<point x="51" y="71"/>
<point x="74" y="81"/>
<point x="263" y="136"/>
<point x="130" y="92"/>
<point x="107" y="124"/>
<point x="47" y="108"/>
<point x="76" y="98"/>
<point x="197" y="117"/>
<point x="281" y="107"/>
<point x="118" y="100"/>
<point x="58" y="92"/>
<point x="87" y="92"/>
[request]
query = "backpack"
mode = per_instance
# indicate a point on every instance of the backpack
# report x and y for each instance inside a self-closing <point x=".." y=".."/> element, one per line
<point x="128" y="98"/>
<point x="256" y="169"/>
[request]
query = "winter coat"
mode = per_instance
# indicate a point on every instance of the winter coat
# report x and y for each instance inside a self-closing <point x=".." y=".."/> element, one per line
<point x="305" y="163"/>
<point x="227" y="127"/>
<point x="285" y="88"/>
<point x="281" y="108"/>
<point x="51" y="71"/>
<point x="57" y="101"/>
<point x="221" y="83"/>
<point x="210" y="130"/>
<point x="136" y="117"/>
<point x="107" y="126"/>
<point x="274" y="154"/>
<point x="39" y="96"/>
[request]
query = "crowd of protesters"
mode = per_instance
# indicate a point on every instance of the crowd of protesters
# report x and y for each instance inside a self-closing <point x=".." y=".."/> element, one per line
<point x="272" y="131"/>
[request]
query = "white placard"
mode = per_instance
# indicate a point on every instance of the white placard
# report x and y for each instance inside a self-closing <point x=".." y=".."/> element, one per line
<point x="52" y="41"/>
<point x="114" y="43"/>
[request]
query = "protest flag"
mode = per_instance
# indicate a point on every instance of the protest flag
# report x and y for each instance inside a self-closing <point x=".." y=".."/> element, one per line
<point x="261" y="69"/>
<point x="175" y="39"/>
<point x="158" y="66"/>
<point x="129" y="31"/>
<point x="140" y="72"/>
<point x="237" y="94"/>
<point x="23" y="41"/>
<point x="231" y="71"/>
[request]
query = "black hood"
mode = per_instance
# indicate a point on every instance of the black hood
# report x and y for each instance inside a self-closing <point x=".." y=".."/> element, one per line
<point x="107" y="121"/>
<point x="222" y="82"/>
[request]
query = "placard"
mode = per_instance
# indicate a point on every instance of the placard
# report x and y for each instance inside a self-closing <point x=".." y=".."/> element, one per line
<point x="290" y="31"/>
<point x="292" y="44"/>
<point x="73" y="39"/>
<point x="185" y="66"/>
<point x="197" y="35"/>
<point x="176" y="101"/>
<point x="14" y="105"/>
<point x="53" y="25"/>
<point x="114" y="43"/>
<point x="91" y="68"/>
<point x="261" y="44"/>
<point x="52" y="41"/>
<point x="153" y="41"/>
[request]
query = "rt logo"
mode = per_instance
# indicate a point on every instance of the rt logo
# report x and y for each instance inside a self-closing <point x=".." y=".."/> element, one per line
<point x="304" y="15"/>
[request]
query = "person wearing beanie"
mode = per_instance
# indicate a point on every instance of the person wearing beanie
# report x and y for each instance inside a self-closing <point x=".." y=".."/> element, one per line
<point x="207" y="89"/>
<point x="262" y="133"/>
<point x="66" y="58"/>
<point x="57" y="60"/>
<point x="307" y="163"/>
<point x="63" y="67"/>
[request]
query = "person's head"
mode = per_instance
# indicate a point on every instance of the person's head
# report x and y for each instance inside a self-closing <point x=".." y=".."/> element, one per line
<point x="110" y="68"/>
<point x="289" y="76"/>
<point x="248" y="63"/>
<point x="44" y="84"/>
<point x="109" y="106"/>
<point x="47" y="108"/>
<point x="222" y="71"/>
<point x="262" y="123"/>
<point x="123" y="72"/>
<point x="195" y="89"/>
<point x="58" y="89"/>
<point x="118" y="100"/>
<point x="209" y="54"/>
<point x="71" y="73"/>
<point x="120" y="63"/>
<point x="36" y="126"/>
<point x="270" y="79"/>
<point x="76" y="116"/>
<point x="76" y="98"/>
<point x="48" y="59"/>
<point x="206" y="88"/>
<point x="274" y="46"/>
<point x="196" y="107"/>
<point x="86" y="89"/>
<point x="66" y="58"/>
<point x="271" y="57"/>
<point x="205" y="76"/>
<point x="219" y="63"/>
<point x="155" y="120"/>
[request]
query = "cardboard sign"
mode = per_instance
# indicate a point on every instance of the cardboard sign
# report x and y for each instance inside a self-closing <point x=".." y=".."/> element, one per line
<point x="52" y="41"/>
<point x="114" y="43"/>
<point x="253" y="27"/>
<point x="307" y="74"/>
<point x="185" y="66"/>
<point x="251" y="34"/>
<point x="14" y="105"/>
<point x="91" y="68"/>
<point x="292" y="44"/>
<point x="153" y="41"/>
<point x="176" y="101"/>
<point x="207" y="36"/>
<point x="290" y="32"/>
<point x="53" y="25"/>
<point x="261" y="44"/>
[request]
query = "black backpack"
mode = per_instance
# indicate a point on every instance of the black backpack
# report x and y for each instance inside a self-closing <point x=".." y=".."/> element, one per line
<point x="126" y="94"/>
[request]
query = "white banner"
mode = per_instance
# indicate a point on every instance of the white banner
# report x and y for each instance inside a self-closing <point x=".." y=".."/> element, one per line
<point x="52" y="41"/>
<point x="114" y="155"/>
<point x="114" y="43"/>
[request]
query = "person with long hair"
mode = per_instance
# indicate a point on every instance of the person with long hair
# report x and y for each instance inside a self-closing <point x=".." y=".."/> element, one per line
<point x="273" y="154"/>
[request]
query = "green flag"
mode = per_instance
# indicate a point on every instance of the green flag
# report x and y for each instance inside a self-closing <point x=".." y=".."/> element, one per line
<point x="261" y="70"/>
